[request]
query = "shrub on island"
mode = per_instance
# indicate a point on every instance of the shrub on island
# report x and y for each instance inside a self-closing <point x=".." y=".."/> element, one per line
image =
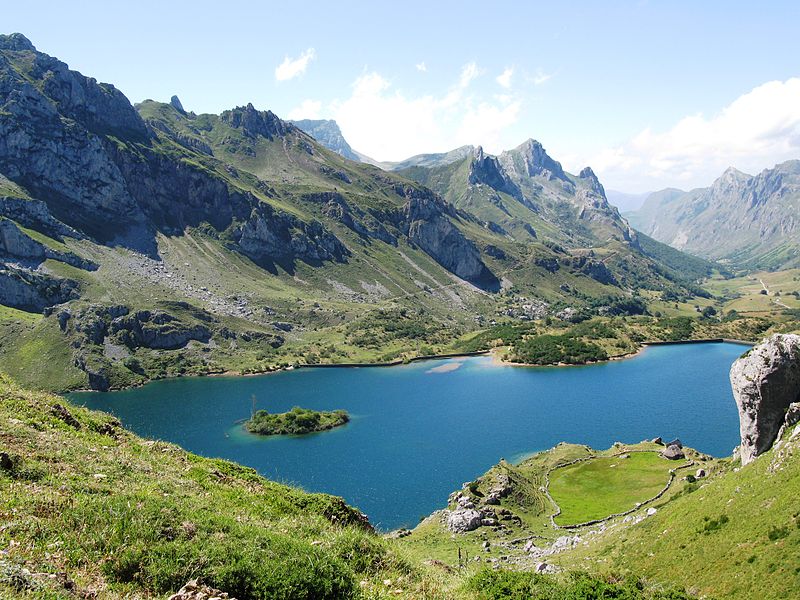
<point x="295" y="422"/>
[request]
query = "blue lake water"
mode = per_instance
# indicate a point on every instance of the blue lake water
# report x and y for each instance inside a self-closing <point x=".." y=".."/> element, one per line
<point x="418" y="431"/>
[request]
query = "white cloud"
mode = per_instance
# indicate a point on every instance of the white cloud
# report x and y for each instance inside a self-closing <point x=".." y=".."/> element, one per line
<point x="755" y="131"/>
<point x="468" y="73"/>
<point x="421" y="67"/>
<point x="291" y="68"/>
<point x="388" y="124"/>
<point x="540" y="77"/>
<point x="308" y="109"/>
<point x="504" y="79"/>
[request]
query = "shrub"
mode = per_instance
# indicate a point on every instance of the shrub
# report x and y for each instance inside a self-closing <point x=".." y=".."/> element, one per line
<point x="521" y="585"/>
<point x="711" y="525"/>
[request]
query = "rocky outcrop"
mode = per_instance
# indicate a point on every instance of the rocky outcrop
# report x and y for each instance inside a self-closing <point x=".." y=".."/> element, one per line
<point x="268" y="235"/>
<point x="426" y="223"/>
<point x="28" y="290"/>
<point x="195" y="590"/>
<point x="255" y="123"/>
<point x="765" y="382"/>
<point x="16" y="244"/>
<point x="157" y="330"/>
<point x="673" y="452"/>
<point x="463" y="519"/>
<point x="175" y="103"/>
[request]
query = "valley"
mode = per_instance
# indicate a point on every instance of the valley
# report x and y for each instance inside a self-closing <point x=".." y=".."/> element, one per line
<point x="241" y="359"/>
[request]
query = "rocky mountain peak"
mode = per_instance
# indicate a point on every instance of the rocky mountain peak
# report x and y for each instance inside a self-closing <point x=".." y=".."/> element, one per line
<point x="536" y="161"/>
<point x="255" y="122"/>
<point x="730" y="180"/>
<point x="588" y="175"/>
<point x="16" y="42"/>
<point x="486" y="169"/>
<point x="175" y="102"/>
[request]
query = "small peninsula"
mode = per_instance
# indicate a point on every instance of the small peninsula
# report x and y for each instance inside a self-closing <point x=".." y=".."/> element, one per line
<point x="297" y="421"/>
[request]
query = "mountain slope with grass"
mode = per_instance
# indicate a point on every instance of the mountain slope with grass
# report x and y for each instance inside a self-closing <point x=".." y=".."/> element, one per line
<point x="149" y="241"/>
<point x="91" y="510"/>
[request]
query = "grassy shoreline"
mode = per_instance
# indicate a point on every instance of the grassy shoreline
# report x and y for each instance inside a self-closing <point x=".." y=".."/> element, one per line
<point x="493" y="352"/>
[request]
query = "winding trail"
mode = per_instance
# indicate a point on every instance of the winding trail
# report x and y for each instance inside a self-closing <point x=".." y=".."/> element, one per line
<point x="774" y="300"/>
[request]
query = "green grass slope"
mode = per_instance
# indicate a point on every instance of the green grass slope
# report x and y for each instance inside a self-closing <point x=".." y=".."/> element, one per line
<point x="89" y="508"/>
<point x="597" y="488"/>
<point x="735" y="535"/>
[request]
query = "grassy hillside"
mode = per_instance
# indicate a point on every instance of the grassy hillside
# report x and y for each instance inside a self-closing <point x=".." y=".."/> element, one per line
<point x="736" y="535"/>
<point x="103" y="511"/>
<point x="732" y="534"/>
<point x="91" y="510"/>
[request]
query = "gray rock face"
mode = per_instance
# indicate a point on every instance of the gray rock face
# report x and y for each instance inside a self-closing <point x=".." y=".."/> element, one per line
<point x="765" y="382"/>
<point x="425" y="218"/>
<point x="34" y="214"/>
<point x="16" y="244"/>
<point x="463" y="520"/>
<point x="32" y="291"/>
<point x="271" y="236"/>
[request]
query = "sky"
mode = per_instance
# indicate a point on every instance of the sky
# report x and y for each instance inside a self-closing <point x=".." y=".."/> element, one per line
<point x="650" y="94"/>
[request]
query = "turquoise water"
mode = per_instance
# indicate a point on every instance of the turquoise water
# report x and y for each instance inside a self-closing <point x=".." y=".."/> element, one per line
<point x="418" y="431"/>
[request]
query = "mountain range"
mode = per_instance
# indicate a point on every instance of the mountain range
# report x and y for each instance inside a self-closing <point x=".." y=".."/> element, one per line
<point x="740" y="220"/>
<point x="746" y="220"/>
<point x="150" y="241"/>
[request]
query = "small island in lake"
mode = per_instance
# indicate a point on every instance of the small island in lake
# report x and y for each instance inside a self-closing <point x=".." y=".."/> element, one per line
<point x="295" y="422"/>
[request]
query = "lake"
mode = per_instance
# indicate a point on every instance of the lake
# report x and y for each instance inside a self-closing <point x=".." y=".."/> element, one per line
<point x="419" y="431"/>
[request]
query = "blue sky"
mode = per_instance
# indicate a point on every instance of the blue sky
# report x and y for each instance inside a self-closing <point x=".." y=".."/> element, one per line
<point x="651" y="94"/>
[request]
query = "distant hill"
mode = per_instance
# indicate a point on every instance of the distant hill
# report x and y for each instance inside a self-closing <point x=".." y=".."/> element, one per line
<point x="439" y="159"/>
<point x="747" y="220"/>
<point x="626" y="202"/>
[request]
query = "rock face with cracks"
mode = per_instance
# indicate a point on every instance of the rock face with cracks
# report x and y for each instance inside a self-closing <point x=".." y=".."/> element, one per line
<point x="765" y="382"/>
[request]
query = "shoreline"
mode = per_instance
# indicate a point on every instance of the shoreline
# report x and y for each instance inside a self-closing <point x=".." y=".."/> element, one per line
<point x="493" y="353"/>
<point x="642" y="347"/>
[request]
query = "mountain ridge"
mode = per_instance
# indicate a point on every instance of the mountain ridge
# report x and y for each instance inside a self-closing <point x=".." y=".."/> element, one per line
<point x="746" y="220"/>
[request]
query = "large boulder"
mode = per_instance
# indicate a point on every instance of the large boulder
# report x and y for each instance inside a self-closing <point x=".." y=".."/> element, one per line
<point x="765" y="382"/>
<point x="464" y="519"/>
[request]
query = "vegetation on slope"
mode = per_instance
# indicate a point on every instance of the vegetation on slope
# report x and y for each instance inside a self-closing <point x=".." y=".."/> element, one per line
<point x="600" y="487"/>
<point x="525" y="585"/>
<point x="297" y="421"/>
<point x="550" y="342"/>
<point x="735" y="535"/>
<point x="91" y="510"/>
<point x="108" y="513"/>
